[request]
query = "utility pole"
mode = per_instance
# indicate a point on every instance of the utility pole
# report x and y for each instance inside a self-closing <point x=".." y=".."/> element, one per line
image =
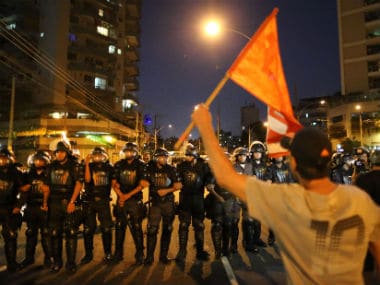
<point x="11" y="114"/>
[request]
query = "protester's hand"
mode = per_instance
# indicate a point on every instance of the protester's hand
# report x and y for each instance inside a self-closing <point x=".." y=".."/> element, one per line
<point x="201" y="115"/>
<point x="144" y="183"/>
<point x="177" y="186"/>
<point x="44" y="208"/>
<point x="88" y="158"/>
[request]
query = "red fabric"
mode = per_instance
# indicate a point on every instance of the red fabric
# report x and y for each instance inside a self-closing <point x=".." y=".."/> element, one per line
<point x="258" y="69"/>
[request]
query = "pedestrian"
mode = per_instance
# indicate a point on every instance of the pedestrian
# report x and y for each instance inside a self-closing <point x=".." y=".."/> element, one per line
<point x="65" y="182"/>
<point x="195" y="176"/>
<point x="98" y="176"/>
<point x="36" y="193"/>
<point x="130" y="210"/>
<point x="323" y="229"/>
<point x="10" y="218"/>
<point x="163" y="181"/>
<point x="370" y="182"/>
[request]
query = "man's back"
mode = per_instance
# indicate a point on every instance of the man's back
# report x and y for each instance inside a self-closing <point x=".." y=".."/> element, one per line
<point x="323" y="238"/>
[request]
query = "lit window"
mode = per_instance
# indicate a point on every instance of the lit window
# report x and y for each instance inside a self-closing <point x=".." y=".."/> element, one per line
<point x="102" y="30"/>
<point x="100" y="83"/>
<point x="42" y="35"/>
<point x="118" y="51"/>
<point x="101" y="12"/>
<point x="111" y="49"/>
<point x="11" y="26"/>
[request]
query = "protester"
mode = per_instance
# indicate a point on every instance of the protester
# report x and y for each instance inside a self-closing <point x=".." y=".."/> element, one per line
<point x="323" y="229"/>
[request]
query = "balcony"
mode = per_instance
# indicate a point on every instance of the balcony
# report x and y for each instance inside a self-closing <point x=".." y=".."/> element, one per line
<point x="131" y="84"/>
<point x="133" y="8"/>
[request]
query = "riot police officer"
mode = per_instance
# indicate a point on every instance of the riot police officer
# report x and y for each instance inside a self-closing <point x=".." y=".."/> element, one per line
<point x="10" y="205"/>
<point x="241" y="165"/>
<point x="98" y="177"/>
<point x="36" y="193"/>
<point x="164" y="180"/>
<point x="195" y="175"/>
<point x="65" y="181"/>
<point x="252" y="227"/>
<point x="130" y="210"/>
<point x="343" y="169"/>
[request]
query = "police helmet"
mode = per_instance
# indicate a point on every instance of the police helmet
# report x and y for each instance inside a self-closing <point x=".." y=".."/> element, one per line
<point x="6" y="157"/>
<point x="191" y="150"/>
<point x="375" y="157"/>
<point x="257" y="146"/>
<point x="240" y="151"/>
<point x="131" y="146"/>
<point x="161" y="152"/>
<point x="40" y="158"/>
<point x="63" y="146"/>
<point x="361" y="150"/>
<point x="99" y="154"/>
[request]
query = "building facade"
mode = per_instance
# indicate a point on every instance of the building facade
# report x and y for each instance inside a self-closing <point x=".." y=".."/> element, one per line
<point x="75" y="68"/>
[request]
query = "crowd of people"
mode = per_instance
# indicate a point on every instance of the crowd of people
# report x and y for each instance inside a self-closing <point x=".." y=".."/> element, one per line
<point x="60" y="193"/>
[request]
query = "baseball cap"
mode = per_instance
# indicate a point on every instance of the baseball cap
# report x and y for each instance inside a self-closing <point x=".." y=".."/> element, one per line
<point x="310" y="147"/>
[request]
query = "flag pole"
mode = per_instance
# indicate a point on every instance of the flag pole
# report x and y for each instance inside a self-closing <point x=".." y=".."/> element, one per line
<point x="208" y="102"/>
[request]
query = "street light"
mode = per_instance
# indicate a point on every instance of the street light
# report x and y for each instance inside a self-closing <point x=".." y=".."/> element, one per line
<point x="156" y="131"/>
<point x="213" y="28"/>
<point x="358" y="108"/>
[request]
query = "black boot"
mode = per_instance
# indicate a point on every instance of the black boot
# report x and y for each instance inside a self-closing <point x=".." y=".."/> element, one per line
<point x="30" y="248"/>
<point x="10" y="247"/>
<point x="234" y="237"/>
<point x="199" y="243"/>
<point x="46" y="246"/>
<point x="71" y="248"/>
<point x="119" y="244"/>
<point x="226" y="239"/>
<point x="271" y="238"/>
<point x="216" y="235"/>
<point x="88" y="246"/>
<point x="248" y="235"/>
<point x="107" y="243"/>
<point x="139" y="244"/>
<point x="257" y="233"/>
<point x="182" y="237"/>
<point x="56" y="243"/>
<point x="164" y="248"/>
<point x="151" y="246"/>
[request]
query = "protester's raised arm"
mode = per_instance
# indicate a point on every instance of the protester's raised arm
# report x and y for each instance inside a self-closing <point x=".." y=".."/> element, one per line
<point x="223" y="171"/>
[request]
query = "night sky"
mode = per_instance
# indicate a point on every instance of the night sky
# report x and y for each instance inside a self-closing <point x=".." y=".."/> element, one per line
<point x="180" y="66"/>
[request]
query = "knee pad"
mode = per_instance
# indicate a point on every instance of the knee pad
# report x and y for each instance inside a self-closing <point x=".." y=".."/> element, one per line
<point x="30" y="232"/>
<point x="198" y="225"/>
<point x="55" y="233"/>
<point x="106" y="230"/>
<point x="183" y="226"/>
<point x="71" y="233"/>
<point x="152" y="230"/>
<point x="88" y="231"/>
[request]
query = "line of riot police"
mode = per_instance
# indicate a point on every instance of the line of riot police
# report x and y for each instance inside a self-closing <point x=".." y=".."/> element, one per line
<point x="61" y="193"/>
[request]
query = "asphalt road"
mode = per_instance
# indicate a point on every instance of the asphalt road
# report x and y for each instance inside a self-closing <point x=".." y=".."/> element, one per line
<point x="264" y="268"/>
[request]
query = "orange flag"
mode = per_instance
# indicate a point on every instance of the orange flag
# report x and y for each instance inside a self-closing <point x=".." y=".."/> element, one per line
<point x="258" y="69"/>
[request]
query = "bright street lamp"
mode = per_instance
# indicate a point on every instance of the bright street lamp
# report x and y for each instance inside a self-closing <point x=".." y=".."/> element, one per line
<point x="213" y="28"/>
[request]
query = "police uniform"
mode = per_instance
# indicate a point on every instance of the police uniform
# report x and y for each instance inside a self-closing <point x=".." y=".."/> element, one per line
<point x="35" y="214"/>
<point x="160" y="177"/>
<point x="128" y="175"/>
<point x="63" y="178"/>
<point x="96" y="203"/>
<point x="10" y="180"/>
<point x="195" y="175"/>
